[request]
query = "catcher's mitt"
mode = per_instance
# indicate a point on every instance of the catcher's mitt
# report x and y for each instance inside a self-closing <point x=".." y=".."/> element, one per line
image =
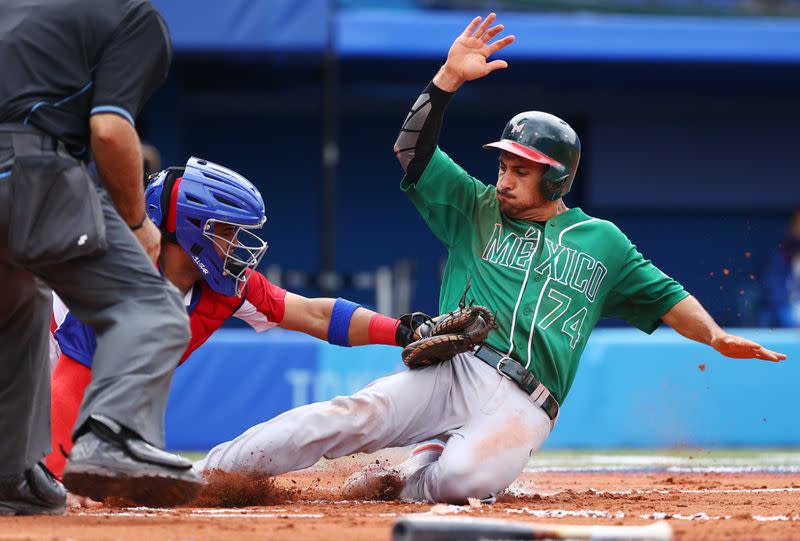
<point x="448" y="335"/>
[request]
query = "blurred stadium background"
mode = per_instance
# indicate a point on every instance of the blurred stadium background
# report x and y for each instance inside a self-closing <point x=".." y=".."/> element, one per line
<point x="688" y="113"/>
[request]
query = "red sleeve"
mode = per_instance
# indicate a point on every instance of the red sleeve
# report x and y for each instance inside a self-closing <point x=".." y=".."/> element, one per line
<point x="264" y="303"/>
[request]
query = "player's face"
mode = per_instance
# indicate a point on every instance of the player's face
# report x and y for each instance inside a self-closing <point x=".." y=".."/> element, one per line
<point x="518" y="185"/>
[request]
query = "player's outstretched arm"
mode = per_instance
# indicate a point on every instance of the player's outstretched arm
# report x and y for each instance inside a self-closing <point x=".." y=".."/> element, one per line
<point x="689" y="318"/>
<point x="343" y="323"/>
<point x="313" y="317"/>
<point x="468" y="57"/>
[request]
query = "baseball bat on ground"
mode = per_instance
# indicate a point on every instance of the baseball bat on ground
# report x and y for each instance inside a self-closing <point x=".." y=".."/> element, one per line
<point x="426" y="528"/>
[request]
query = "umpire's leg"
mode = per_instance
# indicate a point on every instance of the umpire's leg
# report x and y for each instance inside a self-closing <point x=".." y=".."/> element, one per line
<point x="25" y="307"/>
<point x="142" y="330"/>
<point x="141" y="326"/>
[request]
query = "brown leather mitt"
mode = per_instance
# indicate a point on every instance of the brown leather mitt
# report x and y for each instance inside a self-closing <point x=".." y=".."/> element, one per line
<point x="449" y="334"/>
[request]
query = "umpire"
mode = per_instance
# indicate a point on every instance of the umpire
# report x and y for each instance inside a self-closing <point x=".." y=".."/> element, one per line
<point x="75" y="74"/>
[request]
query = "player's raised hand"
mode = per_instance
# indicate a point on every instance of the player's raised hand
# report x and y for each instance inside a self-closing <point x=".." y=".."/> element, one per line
<point x="468" y="58"/>
<point x="737" y="347"/>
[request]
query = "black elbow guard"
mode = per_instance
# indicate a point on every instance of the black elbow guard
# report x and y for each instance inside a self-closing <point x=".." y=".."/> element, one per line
<point x="420" y="132"/>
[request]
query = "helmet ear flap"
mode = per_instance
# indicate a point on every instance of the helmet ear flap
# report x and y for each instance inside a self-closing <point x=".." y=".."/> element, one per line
<point x="173" y="173"/>
<point x="553" y="181"/>
<point x="166" y="191"/>
<point x="158" y="199"/>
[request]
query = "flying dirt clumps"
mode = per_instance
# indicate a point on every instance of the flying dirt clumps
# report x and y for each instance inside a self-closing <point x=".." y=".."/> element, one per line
<point x="229" y="489"/>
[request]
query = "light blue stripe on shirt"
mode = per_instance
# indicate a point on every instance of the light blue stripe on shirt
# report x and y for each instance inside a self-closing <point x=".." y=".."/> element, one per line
<point x="113" y="109"/>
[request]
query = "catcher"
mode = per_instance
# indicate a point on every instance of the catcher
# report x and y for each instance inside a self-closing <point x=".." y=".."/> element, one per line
<point x="549" y="272"/>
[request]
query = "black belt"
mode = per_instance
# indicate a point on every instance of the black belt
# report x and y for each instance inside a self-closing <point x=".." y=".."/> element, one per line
<point x="538" y="393"/>
<point x="27" y="140"/>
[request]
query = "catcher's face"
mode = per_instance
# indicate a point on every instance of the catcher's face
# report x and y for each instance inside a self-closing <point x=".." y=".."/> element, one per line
<point x="518" y="185"/>
<point x="226" y="232"/>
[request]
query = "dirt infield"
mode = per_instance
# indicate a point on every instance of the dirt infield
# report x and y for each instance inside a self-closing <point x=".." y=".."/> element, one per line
<point x="308" y="506"/>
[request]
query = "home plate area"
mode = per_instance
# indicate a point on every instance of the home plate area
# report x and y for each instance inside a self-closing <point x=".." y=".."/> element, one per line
<point x="743" y="496"/>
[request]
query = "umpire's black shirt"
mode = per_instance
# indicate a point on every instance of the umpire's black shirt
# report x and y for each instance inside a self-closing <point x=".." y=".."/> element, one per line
<point x="64" y="60"/>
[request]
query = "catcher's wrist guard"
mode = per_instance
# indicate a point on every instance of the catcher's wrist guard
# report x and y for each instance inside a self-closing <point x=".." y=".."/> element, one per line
<point x="413" y="327"/>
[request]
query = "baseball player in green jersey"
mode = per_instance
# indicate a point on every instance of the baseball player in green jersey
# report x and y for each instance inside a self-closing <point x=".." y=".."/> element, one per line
<point x="548" y="272"/>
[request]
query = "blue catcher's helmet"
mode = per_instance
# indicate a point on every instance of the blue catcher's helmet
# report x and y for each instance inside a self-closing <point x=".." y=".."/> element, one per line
<point x="186" y="203"/>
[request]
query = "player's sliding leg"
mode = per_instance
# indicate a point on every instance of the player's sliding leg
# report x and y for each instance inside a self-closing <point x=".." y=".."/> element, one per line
<point x="394" y="411"/>
<point x="380" y="482"/>
<point x="420" y="456"/>
<point x="484" y="456"/>
<point x="493" y="426"/>
<point x="69" y="381"/>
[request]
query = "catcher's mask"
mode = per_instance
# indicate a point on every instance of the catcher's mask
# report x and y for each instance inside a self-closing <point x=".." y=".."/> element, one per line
<point x="544" y="138"/>
<point x="186" y="202"/>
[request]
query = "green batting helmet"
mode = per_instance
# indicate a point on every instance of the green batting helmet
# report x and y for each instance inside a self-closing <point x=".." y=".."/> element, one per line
<point x="544" y="138"/>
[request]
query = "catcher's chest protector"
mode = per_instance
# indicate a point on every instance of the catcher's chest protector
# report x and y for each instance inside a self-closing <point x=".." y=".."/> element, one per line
<point x="207" y="312"/>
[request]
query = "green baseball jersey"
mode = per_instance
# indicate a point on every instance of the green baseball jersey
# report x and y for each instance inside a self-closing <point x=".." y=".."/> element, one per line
<point x="548" y="285"/>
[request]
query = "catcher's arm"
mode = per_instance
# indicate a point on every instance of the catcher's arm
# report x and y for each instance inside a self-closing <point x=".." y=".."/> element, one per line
<point x="342" y="322"/>
<point x="313" y="316"/>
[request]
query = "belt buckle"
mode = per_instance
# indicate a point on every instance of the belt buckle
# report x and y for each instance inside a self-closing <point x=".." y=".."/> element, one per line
<point x="499" y="365"/>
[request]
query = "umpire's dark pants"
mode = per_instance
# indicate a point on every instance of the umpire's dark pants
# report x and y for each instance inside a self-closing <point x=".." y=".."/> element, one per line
<point x="60" y="231"/>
